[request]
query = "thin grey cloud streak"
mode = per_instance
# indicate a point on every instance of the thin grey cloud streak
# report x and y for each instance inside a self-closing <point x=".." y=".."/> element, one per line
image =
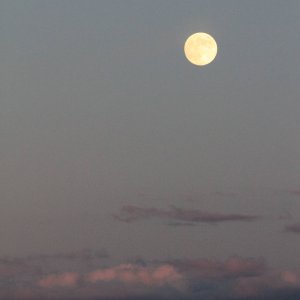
<point x="232" y="267"/>
<point x="40" y="264"/>
<point x="131" y="213"/>
<point x="293" y="228"/>
<point x="82" y="255"/>
<point x="295" y="192"/>
<point x="235" y="278"/>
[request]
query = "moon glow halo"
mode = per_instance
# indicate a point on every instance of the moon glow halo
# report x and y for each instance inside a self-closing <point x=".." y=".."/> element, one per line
<point x="200" y="48"/>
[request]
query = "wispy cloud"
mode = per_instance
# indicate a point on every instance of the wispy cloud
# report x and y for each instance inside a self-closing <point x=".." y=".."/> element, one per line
<point x="131" y="213"/>
<point x="295" y="192"/>
<point x="293" y="228"/>
<point x="233" y="267"/>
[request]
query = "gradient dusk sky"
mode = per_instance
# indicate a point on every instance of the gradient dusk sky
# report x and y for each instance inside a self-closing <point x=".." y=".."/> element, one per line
<point x="129" y="173"/>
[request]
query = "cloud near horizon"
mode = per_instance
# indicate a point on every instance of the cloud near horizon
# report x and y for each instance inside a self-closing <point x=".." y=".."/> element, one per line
<point x="236" y="278"/>
<point x="131" y="213"/>
<point x="136" y="274"/>
<point x="69" y="279"/>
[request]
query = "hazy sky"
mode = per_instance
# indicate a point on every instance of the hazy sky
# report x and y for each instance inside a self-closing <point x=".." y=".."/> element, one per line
<point x="110" y="140"/>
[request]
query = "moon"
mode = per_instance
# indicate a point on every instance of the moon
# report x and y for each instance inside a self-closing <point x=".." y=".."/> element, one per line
<point x="200" y="48"/>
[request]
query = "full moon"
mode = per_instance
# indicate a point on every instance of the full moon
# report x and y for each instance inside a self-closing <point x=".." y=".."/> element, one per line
<point x="200" y="48"/>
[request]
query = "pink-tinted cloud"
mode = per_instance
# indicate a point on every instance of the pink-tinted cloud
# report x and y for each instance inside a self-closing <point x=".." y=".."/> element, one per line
<point x="293" y="228"/>
<point x="132" y="213"/>
<point x="236" y="278"/>
<point x="68" y="279"/>
<point x="136" y="274"/>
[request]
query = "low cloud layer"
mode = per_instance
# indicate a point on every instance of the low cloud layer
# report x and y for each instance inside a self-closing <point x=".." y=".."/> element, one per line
<point x="132" y="213"/>
<point x="61" y="280"/>
<point x="236" y="278"/>
<point x="136" y="274"/>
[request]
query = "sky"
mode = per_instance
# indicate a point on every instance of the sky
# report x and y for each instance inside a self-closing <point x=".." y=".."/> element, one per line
<point x="129" y="173"/>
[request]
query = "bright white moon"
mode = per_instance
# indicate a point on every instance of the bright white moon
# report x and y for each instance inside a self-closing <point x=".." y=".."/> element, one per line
<point x="200" y="49"/>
